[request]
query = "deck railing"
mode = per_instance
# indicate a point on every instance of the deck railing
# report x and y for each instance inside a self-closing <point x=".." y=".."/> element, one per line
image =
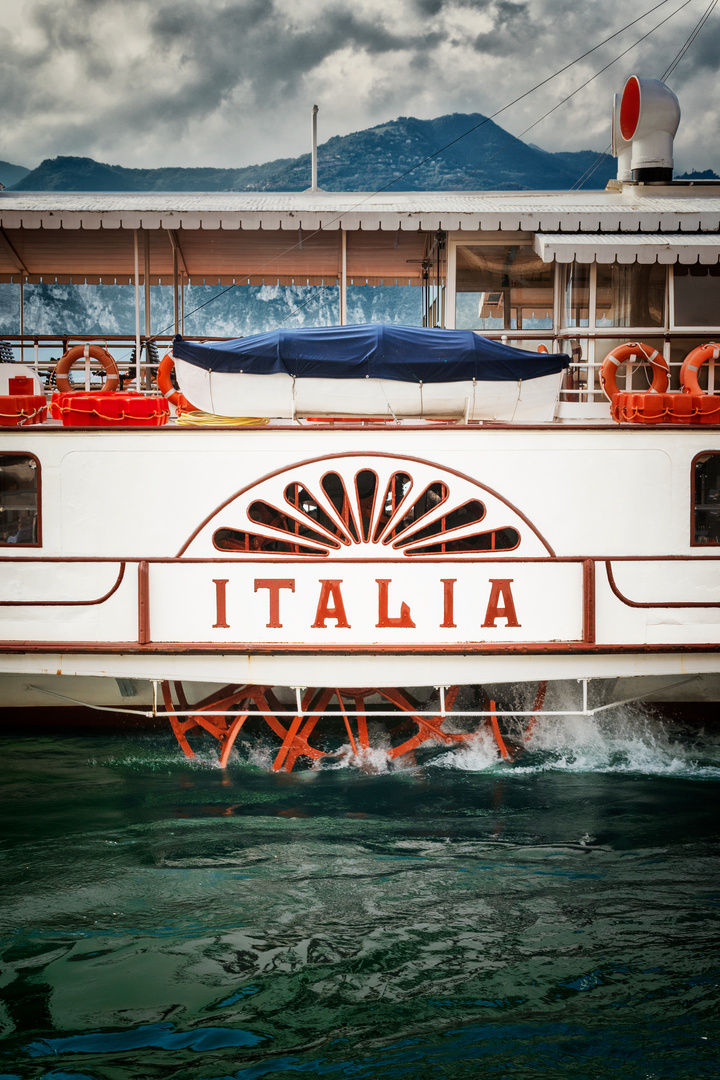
<point x="581" y="384"/>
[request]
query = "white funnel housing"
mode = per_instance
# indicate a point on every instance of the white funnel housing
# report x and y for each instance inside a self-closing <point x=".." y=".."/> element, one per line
<point x="649" y="118"/>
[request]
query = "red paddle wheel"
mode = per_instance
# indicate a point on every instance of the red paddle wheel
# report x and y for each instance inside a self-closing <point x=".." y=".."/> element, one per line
<point x="224" y="713"/>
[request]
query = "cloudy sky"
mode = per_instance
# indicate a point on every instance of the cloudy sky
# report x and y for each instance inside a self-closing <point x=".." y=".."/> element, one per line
<point x="232" y="82"/>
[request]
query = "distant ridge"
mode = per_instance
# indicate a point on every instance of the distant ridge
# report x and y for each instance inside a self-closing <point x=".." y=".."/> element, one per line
<point x="707" y="174"/>
<point x="11" y="174"/>
<point x="488" y="159"/>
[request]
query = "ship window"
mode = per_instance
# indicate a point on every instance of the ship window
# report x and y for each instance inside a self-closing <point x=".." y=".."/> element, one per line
<point x="503" y="287"/>
<point x="494" y="540"/>
<point x="697" y="295"/>
<point x="236" y="540"/>
<point x="706" y="499"/>
<point x="334" y="488"/>
<point x="576" y="306"/>
<point x="630" y="295"/>
<point x="19" y="500"/>
<point x="264" y="514"/>
<point x="306" y="503"/>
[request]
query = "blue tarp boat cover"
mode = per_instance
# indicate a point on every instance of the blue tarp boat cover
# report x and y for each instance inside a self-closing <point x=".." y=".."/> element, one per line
<point x="372" y="350"/>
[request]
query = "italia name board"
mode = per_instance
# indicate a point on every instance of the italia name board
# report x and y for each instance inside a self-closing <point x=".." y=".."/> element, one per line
<point x="364" y="604"/>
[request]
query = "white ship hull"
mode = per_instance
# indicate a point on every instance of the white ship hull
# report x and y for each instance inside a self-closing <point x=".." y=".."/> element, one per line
<point x="281" y="396"/>
<point x="600" y="581"/>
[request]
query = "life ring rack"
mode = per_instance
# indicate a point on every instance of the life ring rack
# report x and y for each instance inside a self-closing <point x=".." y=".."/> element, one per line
<point x="692" y="364"/>
<point x="633" y="350"/>
<point x="77" y="352"/>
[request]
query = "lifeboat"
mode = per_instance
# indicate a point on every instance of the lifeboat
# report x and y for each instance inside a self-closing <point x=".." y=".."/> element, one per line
<point x="370" y="371"/>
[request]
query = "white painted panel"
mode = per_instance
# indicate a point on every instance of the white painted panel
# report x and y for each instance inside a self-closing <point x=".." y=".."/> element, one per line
<point x="617" y="623"/>
<point x="25" y="580"/>
<point x="693" y="581"/>
<point x="116" y="619"/>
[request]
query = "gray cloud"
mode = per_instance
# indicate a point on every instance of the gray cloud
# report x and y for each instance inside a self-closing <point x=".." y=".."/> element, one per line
<point x="231" y="82"/>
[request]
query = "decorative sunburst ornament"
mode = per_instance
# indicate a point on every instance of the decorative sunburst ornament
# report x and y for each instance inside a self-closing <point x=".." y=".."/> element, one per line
<point x="359" y="506"/>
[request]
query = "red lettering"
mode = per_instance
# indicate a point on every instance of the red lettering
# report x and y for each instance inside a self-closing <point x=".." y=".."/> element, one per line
<point x="220" y="604"/>
<point x="448" y="602"/>
<point x="330" y="590"/>
<point x="403" y="619"/>
<point x="274" y="585"/>
<point x="501" y="590"/>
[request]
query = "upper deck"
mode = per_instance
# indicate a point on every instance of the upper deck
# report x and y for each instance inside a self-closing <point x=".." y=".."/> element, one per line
<point x="574" y="272"/>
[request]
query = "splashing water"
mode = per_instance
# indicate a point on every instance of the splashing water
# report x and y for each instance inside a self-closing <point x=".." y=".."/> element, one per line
<point x="628" y="739"/>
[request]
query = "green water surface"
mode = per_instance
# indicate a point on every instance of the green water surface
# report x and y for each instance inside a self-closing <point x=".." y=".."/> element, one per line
<point x="557" y="917"/>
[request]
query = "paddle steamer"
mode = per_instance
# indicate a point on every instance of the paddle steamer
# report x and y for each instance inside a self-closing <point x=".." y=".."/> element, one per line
<point x="421" y="545"/>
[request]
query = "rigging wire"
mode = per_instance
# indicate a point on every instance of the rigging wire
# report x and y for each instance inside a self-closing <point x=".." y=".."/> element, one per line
<point x="452" y="142"/>
<point x="690" y="39"/>
<point x="583" y="85"/>
<point x="666" y="75"/>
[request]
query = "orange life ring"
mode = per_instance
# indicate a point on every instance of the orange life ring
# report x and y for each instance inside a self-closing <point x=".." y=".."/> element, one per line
<point x="166" y="388"/>
<point x="62" y="369"/>
<point x="621" y="354"/>
<point x="692" y="364"/>
<point x="164" y="379"/>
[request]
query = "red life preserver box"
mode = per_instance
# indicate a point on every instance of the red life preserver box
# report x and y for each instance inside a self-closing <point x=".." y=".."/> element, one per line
<point x="647" y="408"/>
<point x="22" y="409"/>
<point x="83" y="409"/>
<point x="21" y="384"/>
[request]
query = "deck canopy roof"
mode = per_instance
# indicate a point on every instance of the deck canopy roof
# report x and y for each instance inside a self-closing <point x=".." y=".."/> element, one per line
<point x="628" y="247"/>
<point x="297" y="237"/>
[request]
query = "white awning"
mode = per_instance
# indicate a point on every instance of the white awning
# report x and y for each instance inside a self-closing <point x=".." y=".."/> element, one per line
<point x="628" y="247"/>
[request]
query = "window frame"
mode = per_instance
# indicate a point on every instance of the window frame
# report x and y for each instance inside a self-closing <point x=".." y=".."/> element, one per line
<point x="4" y="547"/>
<point x="706" y="330"/>
<point x="493" y="239"/>
<point x="693" y="527"/>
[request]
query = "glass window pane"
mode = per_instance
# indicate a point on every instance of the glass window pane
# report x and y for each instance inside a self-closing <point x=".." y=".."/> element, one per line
<point x="18" y="499"/>
<point x="576" y="294"/>
<point x="706" y="511"/>
<point x="697" y="295"/>
<point x="503" y="287"/>
<point x="630" y="295"/>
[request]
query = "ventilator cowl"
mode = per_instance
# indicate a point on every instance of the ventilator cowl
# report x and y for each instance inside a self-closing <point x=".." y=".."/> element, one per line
<point x="649" y="118"/>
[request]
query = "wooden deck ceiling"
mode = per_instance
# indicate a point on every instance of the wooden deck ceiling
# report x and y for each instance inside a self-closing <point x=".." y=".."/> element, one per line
<point x="213" y="255"/>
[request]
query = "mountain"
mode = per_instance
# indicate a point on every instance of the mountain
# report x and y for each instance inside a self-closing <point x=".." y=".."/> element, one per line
<point x="706" y="174"/>
<point x="11" y="174"/>
<point x="84" y="174"/>
<point x="479" y="156"/>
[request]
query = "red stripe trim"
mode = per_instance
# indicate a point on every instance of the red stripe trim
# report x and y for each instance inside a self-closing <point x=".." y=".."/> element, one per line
<point x="570" y="648"/>
<point x="655" y="604"/>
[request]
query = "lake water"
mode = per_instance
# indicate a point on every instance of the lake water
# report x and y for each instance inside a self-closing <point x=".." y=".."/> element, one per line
<point x="553" y="917"/>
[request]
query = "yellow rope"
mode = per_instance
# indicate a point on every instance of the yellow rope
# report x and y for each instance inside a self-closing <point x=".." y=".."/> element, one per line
<point x="204" y="419"/>
<point x="22" y="413"/>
